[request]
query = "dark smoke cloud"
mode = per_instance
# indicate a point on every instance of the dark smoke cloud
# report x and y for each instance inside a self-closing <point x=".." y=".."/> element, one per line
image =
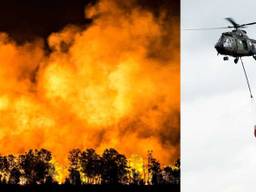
<point x="25" y="20"/>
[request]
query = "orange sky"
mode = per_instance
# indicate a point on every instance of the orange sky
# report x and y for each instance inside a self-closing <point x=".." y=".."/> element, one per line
<point x="113" y="84"/>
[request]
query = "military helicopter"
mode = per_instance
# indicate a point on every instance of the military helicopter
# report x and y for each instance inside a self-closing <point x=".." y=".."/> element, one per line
<point x="236" y="43"/>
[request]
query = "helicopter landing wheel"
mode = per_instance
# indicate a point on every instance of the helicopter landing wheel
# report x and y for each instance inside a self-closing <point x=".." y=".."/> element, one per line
<point x="236" y="60"/>
<point x="225" y="58"/>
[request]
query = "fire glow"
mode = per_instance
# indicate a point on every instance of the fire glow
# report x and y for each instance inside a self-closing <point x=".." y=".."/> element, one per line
<point x="112" y="84"/>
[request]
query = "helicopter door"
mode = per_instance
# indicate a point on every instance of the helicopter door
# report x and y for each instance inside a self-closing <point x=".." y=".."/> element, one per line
<point x="254" y="48"/>
<point x="245" y="44"/>
<point x="242" y="47"/>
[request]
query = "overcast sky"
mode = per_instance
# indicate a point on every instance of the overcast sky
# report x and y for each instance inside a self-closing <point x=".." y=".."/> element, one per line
<point x="218" y="117"/>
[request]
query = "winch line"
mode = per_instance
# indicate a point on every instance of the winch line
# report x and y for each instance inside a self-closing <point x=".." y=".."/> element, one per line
<point x="247" y="79"/>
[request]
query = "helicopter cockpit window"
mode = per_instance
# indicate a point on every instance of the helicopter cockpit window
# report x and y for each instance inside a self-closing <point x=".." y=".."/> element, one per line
<point x="245" y="44"/>
<point x="250" y="44"/>
<point x="221" y="39"/>
<point x="227" y="42"/>
<point x="254" y="46"/>
<point x="239" y="41"/>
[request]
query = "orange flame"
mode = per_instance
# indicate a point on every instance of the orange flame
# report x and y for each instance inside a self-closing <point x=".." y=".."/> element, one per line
<point x="113" y="84"/>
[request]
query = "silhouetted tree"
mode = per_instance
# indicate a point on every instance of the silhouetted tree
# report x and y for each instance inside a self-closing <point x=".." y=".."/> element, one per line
<point x="14" y="176"/>
<point x="4" y="168"/>
<point x="49" y="180"/>
<point x="74" y="157"/>
<point x="135" y="177"/>
<point x="9" y="167"/>
<point x="168" y="176"/>
<point x="176" y="171"/>
<point x="114" y="168"/>
<point x="36" y="167"/>
<point x="155" y="170"/>
<point x="74" y="177"/>
<point x="91" y="164"/>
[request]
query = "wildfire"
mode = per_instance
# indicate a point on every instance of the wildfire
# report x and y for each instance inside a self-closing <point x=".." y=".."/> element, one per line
<point x="61" y="172"/>
<point x="112" y="84"/>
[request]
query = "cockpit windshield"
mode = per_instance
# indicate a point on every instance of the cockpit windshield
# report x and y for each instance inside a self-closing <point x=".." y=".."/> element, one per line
<point x="227" y="42"/>
<point x="220" y="39"/>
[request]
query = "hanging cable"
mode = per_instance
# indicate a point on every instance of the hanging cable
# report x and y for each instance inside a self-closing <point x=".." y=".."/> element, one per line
<point x="247" y="79"/>
<point x="249" y="87"/>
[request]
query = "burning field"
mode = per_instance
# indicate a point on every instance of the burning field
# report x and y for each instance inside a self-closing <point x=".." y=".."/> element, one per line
<point x="112" y="83"/>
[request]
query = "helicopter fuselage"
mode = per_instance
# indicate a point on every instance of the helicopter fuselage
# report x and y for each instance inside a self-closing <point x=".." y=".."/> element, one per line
<point x="236" y="44"/>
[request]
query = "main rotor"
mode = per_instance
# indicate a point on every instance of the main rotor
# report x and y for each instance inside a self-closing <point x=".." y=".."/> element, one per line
<point x="234" y="25"/>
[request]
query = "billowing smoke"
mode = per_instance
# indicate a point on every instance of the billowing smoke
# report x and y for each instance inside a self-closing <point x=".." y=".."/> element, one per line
<point x="114" y="83"/>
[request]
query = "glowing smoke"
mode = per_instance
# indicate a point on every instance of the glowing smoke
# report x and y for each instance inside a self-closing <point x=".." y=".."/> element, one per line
<point x="113" y="84"/>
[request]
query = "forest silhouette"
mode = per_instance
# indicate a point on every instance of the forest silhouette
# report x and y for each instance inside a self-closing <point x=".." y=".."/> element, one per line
<point x="87" y="170"/>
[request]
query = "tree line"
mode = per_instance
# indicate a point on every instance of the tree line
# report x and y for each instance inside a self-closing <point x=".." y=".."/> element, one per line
<point x="85" y="167"/>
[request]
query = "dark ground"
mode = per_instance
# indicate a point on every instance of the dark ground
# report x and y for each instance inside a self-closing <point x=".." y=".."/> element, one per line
<point x="90" y="188"/>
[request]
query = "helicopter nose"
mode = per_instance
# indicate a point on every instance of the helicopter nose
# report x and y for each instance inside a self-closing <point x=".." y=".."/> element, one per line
<point x="218" y="47"/>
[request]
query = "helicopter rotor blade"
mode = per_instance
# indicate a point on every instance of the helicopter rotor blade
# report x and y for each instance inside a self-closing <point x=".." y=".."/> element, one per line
<point x="232" y="21"/>
<point x="253" y="23"/>
<point x="235" y="26"/>
<point x="209" y="28"/>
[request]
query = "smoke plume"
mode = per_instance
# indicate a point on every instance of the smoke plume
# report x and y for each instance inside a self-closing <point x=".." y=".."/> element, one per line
<point x="114" y="83"/>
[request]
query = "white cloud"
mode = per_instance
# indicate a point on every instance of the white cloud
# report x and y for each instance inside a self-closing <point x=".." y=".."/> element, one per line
<point x="218" y="146"/>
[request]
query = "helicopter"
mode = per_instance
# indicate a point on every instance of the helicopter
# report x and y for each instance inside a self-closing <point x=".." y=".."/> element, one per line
<point x="236" y="43"/>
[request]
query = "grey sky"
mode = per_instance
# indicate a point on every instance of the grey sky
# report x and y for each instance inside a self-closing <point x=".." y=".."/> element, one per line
<point x="218" y="146"/>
